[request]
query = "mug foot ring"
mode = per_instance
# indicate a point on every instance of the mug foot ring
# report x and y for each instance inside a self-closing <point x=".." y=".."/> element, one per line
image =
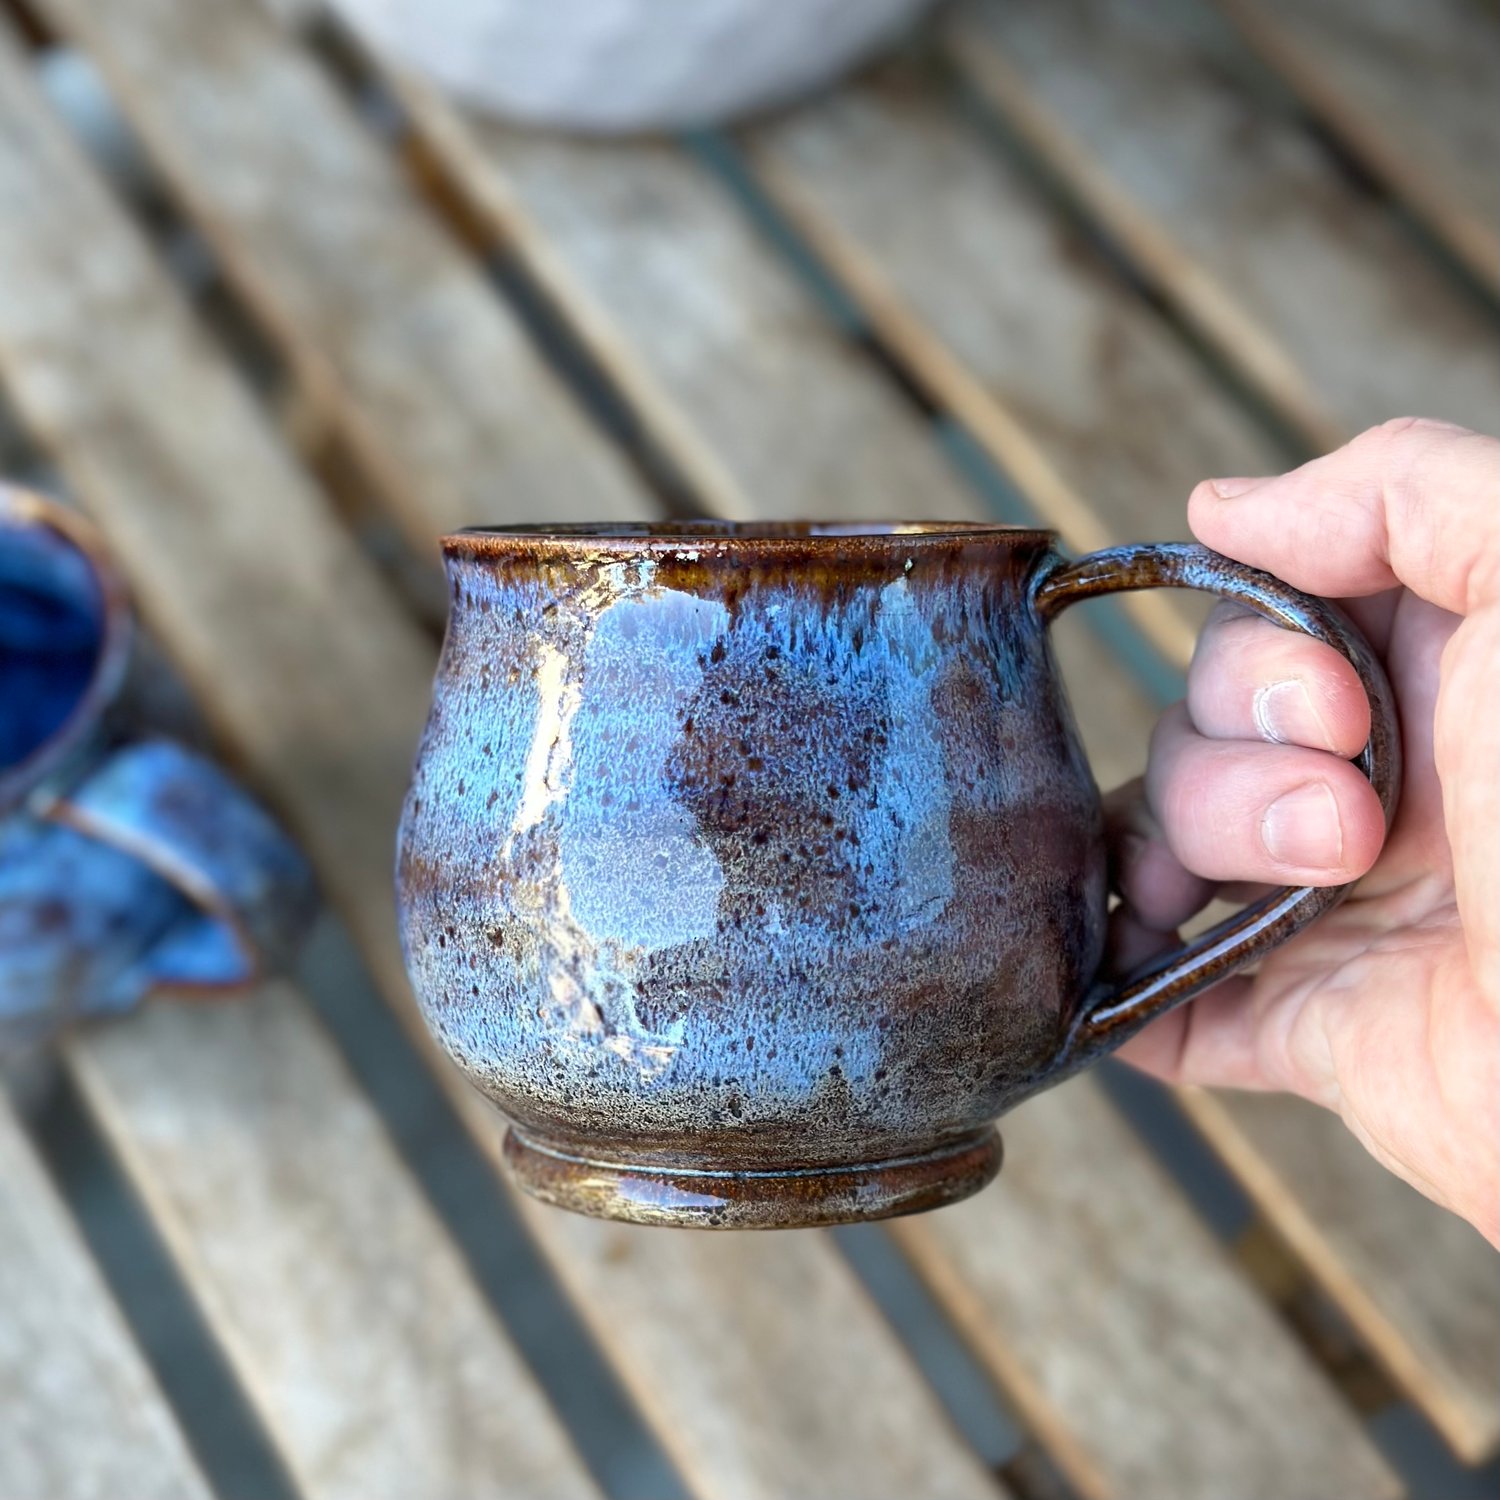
<point x="765" y="1199"/>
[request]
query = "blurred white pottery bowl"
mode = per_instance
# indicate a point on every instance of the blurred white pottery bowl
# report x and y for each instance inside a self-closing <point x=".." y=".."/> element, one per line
<point x="620" y="65"/>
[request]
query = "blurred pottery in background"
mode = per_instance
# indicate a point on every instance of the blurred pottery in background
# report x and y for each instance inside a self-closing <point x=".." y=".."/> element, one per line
<point x="754" y="870"/>
<point x="626" y="65"/>
<point x="123" y="866"/>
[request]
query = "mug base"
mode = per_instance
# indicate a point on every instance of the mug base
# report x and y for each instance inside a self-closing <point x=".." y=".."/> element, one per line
<point x="802" y="1198"/>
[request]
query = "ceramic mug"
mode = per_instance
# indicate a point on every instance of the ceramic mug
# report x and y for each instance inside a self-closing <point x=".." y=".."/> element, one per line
<point x="754" y="870"/>
<point x="123" y="866"/>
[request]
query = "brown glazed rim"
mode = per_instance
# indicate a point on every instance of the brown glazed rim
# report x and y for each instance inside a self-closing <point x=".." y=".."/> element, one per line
<point x="712" y="538"/>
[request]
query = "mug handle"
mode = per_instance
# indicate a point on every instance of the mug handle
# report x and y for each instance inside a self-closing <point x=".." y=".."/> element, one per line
<point x="1116" y="1009"/>
<point x="250" y="892"/>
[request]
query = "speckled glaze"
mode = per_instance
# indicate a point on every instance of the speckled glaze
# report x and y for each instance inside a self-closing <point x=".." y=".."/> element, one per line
<point x="123" y="866"/>
<point x="754" y="871"/>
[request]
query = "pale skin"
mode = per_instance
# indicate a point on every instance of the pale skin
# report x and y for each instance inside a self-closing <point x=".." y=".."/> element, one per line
<point x="1388" y="1009"/>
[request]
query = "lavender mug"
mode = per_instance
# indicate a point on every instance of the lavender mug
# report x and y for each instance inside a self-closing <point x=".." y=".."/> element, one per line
<point x="124" y="866"/>
<point x="754" y="870"/>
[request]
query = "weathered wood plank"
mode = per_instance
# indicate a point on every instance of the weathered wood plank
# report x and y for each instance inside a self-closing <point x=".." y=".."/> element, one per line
<point x="760" y="1382"/>
<point x="1114" y="1262"/>
<point x="303" y="664"/>
<point x="1008" y="318"/>
<point x="1420" y="1285"/>
<point x="80" y="1416"/>
<point x="1410" y="90"/>
<point x="390" y="326"/>
<point x="728" y="361"/>
<point x="1154" y="115"/>
<point x="294" y="13"/>
<point x="349" y="1317"/>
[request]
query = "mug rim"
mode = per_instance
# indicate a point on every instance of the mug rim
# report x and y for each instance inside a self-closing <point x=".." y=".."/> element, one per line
<point x="25" y="507"/>
<point x="725" y="537"/>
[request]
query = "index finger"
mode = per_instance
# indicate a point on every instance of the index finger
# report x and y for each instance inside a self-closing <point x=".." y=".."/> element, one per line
<point x="1412" y="502"/>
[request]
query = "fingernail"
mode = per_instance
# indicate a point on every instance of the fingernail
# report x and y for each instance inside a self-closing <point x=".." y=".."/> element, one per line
<point x="1229" y="489"/>
<point x="1286" y="714"/>
<point x="1301" y="828"/>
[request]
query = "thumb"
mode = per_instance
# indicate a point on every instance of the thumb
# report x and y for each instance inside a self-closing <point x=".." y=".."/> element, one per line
<point x="1412" y="502"/>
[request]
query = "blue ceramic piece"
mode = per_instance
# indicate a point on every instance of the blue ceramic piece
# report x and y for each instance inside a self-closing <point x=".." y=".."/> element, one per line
<point x="753" y="871"/>
<point x="52" y="626"/>
<point x="123" y="867"/>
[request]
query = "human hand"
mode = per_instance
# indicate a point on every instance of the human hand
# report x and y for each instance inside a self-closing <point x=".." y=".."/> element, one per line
<point x="1387" y="1009"/>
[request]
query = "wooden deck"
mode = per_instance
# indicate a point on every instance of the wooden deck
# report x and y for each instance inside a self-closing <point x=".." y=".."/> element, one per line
<point x="1058" y="263"/>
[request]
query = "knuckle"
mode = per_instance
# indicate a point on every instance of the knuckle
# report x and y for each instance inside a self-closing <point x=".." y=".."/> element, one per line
<point x="1394" y="427"/>
<point x="1176" y="803"/>
<point x="1391" y="452"/>
<point x="1240" y="653"/>
<point x="1228" y="612"/>
<point x="1169" y="728"/>
<point x="1398" y="450"/>
<point x="1224" y="633"/>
